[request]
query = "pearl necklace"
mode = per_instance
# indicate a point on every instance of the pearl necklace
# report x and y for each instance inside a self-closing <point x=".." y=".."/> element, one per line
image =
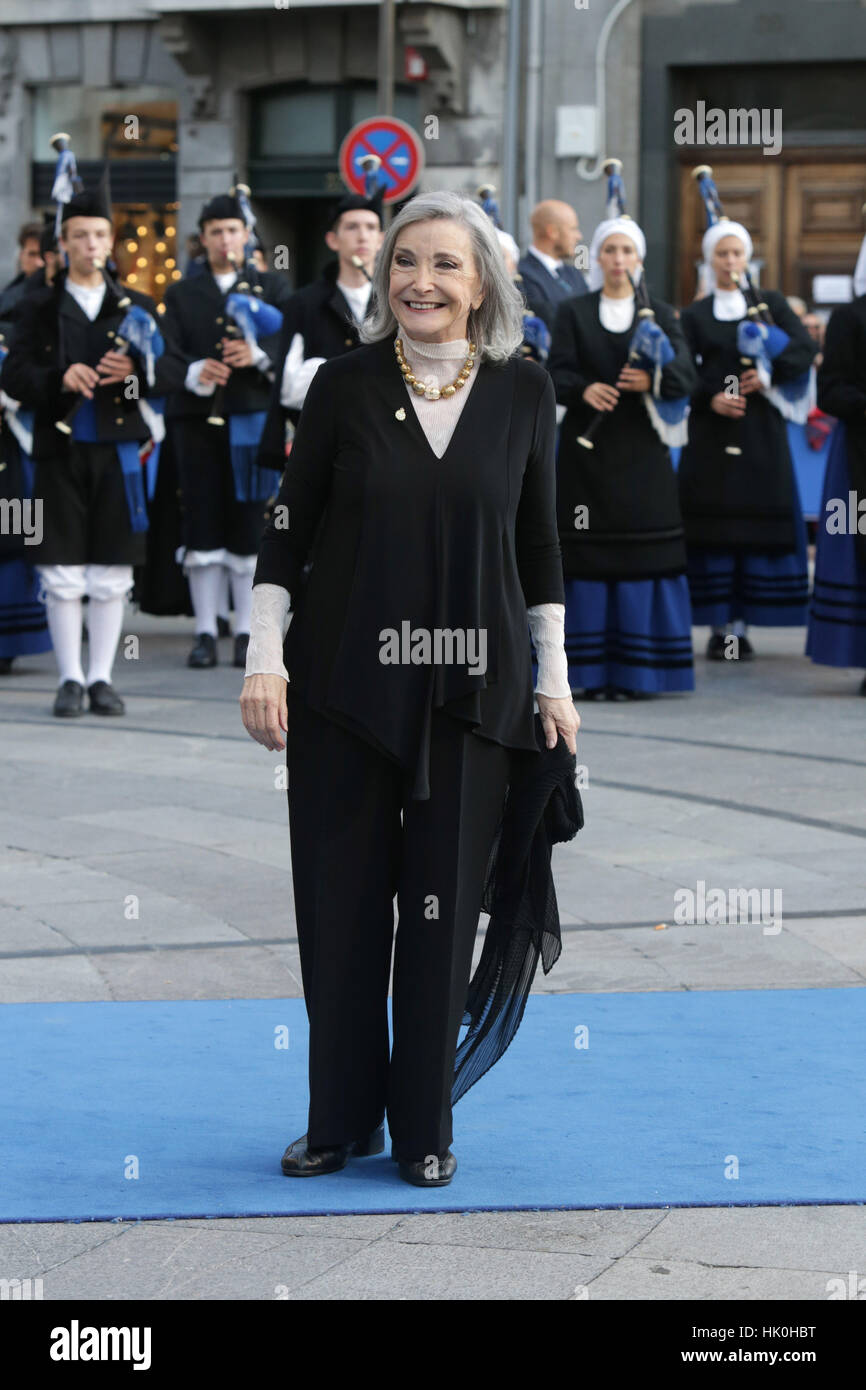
<point x="433" y="393"/>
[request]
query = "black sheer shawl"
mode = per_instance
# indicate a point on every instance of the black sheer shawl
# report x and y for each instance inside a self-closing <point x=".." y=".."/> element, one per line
<point x="542" y="808"/>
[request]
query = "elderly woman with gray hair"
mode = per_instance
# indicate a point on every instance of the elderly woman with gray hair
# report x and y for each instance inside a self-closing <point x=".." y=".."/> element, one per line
<point x="415" y="531"/>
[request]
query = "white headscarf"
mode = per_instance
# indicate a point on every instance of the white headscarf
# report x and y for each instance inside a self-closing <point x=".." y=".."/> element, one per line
<point x="628" y="227"/>
<point x="712" y="236"/>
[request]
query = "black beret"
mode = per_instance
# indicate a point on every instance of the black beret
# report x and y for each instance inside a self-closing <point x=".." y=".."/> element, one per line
<point x="354" y="202"/>
<point x="224" y="205"/>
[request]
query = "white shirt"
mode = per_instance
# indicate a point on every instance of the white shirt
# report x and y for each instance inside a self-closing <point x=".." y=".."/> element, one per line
<point x="357" y="297"/>
<point x="87" y="299"/>
<point x="549" y="262"/>
<point x="729" y="305"/>
<point x="616" y="314"/>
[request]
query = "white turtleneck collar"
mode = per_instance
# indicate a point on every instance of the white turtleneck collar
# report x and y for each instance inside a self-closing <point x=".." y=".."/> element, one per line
<point x="457" y="347"/>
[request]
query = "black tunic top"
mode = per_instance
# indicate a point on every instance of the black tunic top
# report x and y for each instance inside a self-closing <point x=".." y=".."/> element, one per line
<point x="740" y="501"/>
<point x="627" y="481"/>
<point x="398" y="536"/>
<point x="842" y="390"/>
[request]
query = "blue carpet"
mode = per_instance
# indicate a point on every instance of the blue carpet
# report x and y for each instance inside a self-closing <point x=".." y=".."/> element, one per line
<point x="672" y="1091"/>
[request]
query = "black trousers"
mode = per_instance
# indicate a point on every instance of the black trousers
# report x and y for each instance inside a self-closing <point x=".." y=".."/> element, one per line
<point x="352" y="851"/>
<point x="85" y="512"/>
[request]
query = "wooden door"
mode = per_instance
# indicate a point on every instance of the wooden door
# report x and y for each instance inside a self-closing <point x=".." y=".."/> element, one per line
<point x="803" y="213"/>
<point x="823" y="227"/>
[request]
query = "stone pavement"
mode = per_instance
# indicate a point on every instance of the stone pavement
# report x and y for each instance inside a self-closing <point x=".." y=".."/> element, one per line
<point x="756" y="781"/>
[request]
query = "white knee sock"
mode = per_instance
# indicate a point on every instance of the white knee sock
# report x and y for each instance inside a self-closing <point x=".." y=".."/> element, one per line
<point x="64" y="624"/>
<point x="242" y="599"/>
<point x="205" y="583"/>
<point x="104" y="623"/>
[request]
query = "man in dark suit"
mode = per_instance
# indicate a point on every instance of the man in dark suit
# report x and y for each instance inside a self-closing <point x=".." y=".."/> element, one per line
<point x="222" y="497"/>
<point x="64" y="366"/>
<point x="547" y="272"/>
<point x="322" y="319"/>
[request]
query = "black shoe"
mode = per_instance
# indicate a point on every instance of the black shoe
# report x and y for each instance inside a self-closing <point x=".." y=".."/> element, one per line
<point x="717" y="646"/>
<point x="242" y="641"/>
<point x="745" y="650"/>
<point x="104" y="699"/>
<point x="301" y="1162"/>
<point x="863" y="686"/>
<point x="429" y="1172"/>
<point x="6" y="665"/>
<point x="223" y="629"/>
<point x="204" y="652"/>
<point x="595" y="692"/>
<point x="69" y="701"/>
<point x="614" y="693"/>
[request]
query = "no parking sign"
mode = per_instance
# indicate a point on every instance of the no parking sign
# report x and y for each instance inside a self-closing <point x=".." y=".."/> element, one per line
<point x="396" y="145"/>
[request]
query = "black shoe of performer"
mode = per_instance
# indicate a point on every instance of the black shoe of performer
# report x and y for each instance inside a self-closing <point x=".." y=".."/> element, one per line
<point x="745" y="650"/>
<point x="863" y="686"/>
<point x="204" y="652"/>
<point x="242" y="641"/>
<point x="299" y="1161"/>
<point x="6" y="665"/>
<point x="716" y="647"/>
<point x="104" y="699"/>
<point x="223" y="629"/>
<point x="425" y="1173"/>
<point x="69" y="701"/>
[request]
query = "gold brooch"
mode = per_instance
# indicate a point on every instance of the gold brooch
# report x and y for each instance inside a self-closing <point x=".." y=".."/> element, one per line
<point x="400" y="414"/>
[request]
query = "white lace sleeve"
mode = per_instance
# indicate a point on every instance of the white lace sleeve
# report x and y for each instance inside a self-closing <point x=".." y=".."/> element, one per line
<point x="269" y="623"/>
<point x="547" y="625"/>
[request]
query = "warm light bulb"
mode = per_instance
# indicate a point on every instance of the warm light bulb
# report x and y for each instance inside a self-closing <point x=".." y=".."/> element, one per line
<point x="160" y="246"/>
<point x="175" y="275"/>
<point x="132" y="246"/>
<point x="142" y="261"/>
<point x="160" y="308"/>
<point x="170" y="263"/>
<point x="160" y="279"/>
<point x="132" y="278"/>
<point x="169" y="231"/>
<point x="141" y="231"/>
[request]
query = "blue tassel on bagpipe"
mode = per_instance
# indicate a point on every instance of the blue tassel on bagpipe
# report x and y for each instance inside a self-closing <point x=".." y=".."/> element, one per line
<point x="134" y="485"/>
<point x="763" y="342"/>
<point x="140" y="330"/>
<point x="252" y="483"/>
<point x="254" y="317"/>
<point x="536" y="337"/>
<point x="651" y="351"/>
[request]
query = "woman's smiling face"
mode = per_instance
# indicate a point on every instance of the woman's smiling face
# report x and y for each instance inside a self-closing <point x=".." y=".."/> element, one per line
<point x="434" y="281"/>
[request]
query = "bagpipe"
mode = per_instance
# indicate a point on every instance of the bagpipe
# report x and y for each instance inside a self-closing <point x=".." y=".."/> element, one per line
<point x="759" y="339"/>
<point x="759" y="342"/>
<point x="248" y="315"/>
<point x="20" y="421"/>
<point x="650" y="349"/>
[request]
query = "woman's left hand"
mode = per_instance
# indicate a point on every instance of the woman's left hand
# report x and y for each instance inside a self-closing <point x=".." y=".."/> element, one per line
<point x="559" y="717"/>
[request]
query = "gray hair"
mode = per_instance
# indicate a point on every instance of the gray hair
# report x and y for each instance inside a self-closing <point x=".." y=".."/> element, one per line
<point x="496" y="327"/>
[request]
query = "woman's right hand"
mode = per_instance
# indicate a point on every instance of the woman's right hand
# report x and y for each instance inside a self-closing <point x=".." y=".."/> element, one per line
<point x="732" y="406"/>
<point x="264" y="710"/>
<point x="601" y="396"/>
